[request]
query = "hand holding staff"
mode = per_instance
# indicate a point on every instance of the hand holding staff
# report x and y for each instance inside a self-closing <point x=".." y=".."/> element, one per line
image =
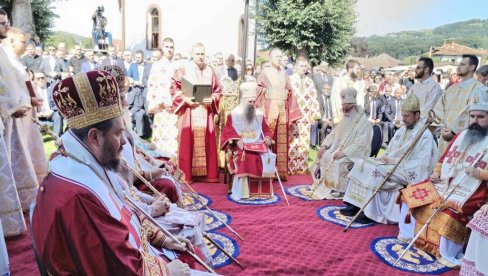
<point x="324" y="173"/>
<point x="432" y="118"/>
<point x="168" y="234"/>
<point x="427" y="222"/>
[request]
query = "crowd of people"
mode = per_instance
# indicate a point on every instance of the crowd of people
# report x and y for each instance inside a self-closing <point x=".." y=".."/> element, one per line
<point x="204" y="117"/>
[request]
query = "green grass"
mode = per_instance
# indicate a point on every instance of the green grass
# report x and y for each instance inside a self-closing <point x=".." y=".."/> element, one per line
<point x="49" y="146"/>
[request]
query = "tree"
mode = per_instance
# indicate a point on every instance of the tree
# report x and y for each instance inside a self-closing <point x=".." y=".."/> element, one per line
<point x="359" y="47"/>
<point x="317" y="29"/>
<point x="33" y="17"/>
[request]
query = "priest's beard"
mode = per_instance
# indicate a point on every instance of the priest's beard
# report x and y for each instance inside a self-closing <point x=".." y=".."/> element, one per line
<point x="249" y="113"/>
<point x="345" y="126"/>
<point x="474" y="134"/>
<point x="353" y="76"/>
<point x="110" y="158"/>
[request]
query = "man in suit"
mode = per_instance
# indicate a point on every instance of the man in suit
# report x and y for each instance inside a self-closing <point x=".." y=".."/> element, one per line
<point x="322" y="127"/>
<point x="231" y="70"/>
<point x="389" y="113"/>
<point x="373" y="106"/>
<point x="90" y="64"/>
<point x="112" y="58"/>
<point x="53" y="65"/>
<point x="388" y="94"/>
<point x="323" y="84"/>
<point x="138" y="74"/>
<point x="127" y="61"/>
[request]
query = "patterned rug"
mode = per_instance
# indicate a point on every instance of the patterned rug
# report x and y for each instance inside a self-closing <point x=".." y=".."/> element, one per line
<point x="301" y="191"/>
<point x="388" y="249"/>
<point x="256" y="201"/>
<point x="212" y="220"/>
<point x="331" y="213"/>
<point x="219" y="259"/>
<point x="194" y="205"/>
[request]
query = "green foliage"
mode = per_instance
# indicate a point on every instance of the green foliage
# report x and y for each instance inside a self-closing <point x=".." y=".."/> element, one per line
<point x="472" y="33"/>
<point x="42" y="14"/>
<point x="69" y="39"/>
<point x="319" y="29"/>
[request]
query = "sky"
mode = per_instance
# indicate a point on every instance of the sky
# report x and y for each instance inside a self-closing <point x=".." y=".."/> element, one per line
<point x="374" y="16"/>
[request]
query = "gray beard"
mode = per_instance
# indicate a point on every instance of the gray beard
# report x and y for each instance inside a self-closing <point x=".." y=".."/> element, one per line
<point x="250" y="113"/>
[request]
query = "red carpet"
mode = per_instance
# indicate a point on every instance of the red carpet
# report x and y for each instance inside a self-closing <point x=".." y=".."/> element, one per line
<point x="279" y="240"/>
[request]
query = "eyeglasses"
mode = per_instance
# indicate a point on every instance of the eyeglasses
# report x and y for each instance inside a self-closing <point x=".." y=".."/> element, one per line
<point x="5" y="23"/>
<point x="249" y="69"/>
<point x="41" y="78"/>
<point x="51" y="49"/>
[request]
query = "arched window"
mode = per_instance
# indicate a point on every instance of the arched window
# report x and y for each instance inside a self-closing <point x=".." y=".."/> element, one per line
<point x="153" y="36"/>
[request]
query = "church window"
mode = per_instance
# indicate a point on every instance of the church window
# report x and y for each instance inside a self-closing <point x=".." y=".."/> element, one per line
<point x="153" y="29"/>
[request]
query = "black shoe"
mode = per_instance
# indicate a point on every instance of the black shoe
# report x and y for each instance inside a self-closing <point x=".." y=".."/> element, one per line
<point x="362" y="219"/>
<point x="349" y="211"/>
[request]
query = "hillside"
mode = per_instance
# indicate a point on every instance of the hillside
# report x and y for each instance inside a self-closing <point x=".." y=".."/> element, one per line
<point x="473" y="33"/>
<point x="69" y="39"/>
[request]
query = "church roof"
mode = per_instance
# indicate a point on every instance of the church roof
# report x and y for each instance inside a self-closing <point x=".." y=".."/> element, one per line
<point x="382" y="60"/>
<point x="454" y="49"/>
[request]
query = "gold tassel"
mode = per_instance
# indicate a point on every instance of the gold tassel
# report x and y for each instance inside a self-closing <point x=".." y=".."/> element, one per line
<point x="243" y="158"/>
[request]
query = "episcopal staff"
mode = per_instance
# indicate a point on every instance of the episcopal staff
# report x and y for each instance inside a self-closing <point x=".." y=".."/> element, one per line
<point x="348" y="142"/>
<point x="446" y="233"/>
<point x="245" y="125"/>
<point x="105" y="237"/>
<point x="367" y="175"/>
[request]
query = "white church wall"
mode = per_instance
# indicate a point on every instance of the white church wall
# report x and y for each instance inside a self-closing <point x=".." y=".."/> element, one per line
<point x="215" y="23"/>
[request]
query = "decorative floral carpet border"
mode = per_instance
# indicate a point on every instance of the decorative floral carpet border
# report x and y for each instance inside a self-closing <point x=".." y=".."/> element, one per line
<point x="219" y="259"/>
<point x="300" y="191"/>
<point x="331" y="213"/>
<point x="212" y="222"/>
<point x="194" y="205"/>
<point x="256" y="201"/>
<point x="388" y="249"/>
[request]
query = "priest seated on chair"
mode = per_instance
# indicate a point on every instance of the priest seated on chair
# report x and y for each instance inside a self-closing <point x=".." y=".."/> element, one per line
<point x="247" y="138"/>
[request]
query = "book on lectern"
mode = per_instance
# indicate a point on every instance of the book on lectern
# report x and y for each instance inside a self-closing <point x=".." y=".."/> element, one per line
<point x="196" y="91"/>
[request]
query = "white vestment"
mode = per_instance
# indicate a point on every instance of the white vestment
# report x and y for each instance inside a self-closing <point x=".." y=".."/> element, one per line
<point x="30" y="131"/>
<point x="159" y="100"/>
<point x="367" y="174"/>
<point x="354" y="134"/>
<point x="4" y="264"/>
<point x="335" y="95"/>
<point x="474" y="262"/>
<point x="13" y="96"/>
<point x="428" y="92"/>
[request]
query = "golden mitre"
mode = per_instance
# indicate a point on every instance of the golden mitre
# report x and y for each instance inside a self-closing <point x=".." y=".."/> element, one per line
<point x="348" y="95"/>
<point x="479" y="100"/>
<point x="411" y="103"/>
<point x="88" y="98"/>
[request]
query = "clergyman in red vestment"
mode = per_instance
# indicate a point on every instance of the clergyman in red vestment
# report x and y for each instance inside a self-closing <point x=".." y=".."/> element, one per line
<point x="82" y="224"/>
<point x="280" y="107"/>
<point x="248" y="136"/>
<point x="197" y="153"/>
